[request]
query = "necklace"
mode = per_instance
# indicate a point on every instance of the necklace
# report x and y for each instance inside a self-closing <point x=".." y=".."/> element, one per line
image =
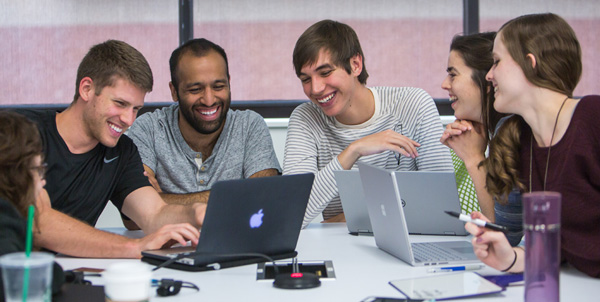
<point x="549" y="148"/>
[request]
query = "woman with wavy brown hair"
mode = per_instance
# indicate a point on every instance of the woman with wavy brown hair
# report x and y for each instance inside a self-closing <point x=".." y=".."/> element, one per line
<point x="551" y="143"/>
<point x="21" y="181"/>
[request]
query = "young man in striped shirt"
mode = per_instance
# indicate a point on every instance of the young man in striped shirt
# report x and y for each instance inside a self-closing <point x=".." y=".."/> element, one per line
<point x="392" y="127"/>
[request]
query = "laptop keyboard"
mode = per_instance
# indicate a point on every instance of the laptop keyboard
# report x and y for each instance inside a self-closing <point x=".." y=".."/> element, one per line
<point x="430" y="252"/>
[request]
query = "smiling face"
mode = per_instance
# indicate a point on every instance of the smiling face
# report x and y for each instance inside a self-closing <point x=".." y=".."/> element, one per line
<point x="110" y="113"/>
<point x="329" y="86"/>
<point x="464" y="93"/>
<point x="203" y="94"/>
<point x="507" y="78"/>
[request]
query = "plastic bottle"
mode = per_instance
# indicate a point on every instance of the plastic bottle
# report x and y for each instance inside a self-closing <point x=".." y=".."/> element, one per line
<point x="541" y="222"/>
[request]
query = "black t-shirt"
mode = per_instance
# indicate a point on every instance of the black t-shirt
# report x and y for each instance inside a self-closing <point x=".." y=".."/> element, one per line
<point x="80" y="185"/>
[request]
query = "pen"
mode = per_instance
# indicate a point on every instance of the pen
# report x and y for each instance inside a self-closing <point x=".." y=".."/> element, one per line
<point x="479" y="222"/>
<point x="468" y="267"/>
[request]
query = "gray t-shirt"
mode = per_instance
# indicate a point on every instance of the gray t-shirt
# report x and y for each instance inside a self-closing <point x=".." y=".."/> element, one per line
<point x="243" y="148"/>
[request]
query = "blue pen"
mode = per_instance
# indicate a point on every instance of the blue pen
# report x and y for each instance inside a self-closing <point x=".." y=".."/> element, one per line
<point x="468" y="267"/>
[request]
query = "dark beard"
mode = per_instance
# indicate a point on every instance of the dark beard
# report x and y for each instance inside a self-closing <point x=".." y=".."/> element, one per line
<point x="201" y="126"/>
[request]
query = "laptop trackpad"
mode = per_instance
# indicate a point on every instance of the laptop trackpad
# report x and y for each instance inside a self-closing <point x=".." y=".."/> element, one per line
<point x="463" y="248"/>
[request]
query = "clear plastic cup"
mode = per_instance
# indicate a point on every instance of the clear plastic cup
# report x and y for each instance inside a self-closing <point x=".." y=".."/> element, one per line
<point x="36" y="271"/>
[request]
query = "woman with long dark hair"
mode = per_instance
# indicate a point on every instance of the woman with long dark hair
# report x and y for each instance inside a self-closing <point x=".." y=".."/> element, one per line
<point x="472" y="99"/>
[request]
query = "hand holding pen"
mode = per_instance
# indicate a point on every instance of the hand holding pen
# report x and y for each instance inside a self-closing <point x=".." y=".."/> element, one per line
<point x="479" y="222"/>
<point x="493" y="248"/>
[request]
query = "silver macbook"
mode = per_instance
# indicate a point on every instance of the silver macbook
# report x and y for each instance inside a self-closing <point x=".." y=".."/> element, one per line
<point x="390" y="229"/>
<point x="353" y="202"/>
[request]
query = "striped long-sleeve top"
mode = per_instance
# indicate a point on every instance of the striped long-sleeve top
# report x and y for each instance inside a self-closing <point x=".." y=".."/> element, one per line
<point x="314" y="141"/>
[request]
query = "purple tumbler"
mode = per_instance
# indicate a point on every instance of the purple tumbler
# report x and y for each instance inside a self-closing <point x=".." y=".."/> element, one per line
<point x="541" y="221"/>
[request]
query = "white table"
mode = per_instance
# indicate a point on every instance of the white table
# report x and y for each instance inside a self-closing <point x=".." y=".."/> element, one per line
<point x="361" y="270"/>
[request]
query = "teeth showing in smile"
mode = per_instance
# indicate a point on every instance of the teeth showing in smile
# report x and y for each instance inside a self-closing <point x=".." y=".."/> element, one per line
<point x="496" y="89"/>
<point x="453" y="99"/>
<point x="117" y="129"/>
<point x="326" y="99"/>
<point x="209" y="112"/>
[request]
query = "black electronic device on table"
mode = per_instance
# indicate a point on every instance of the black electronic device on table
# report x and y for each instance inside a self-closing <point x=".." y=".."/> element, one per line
<point x="243" y="217"/>
<point x="292" y="276"/>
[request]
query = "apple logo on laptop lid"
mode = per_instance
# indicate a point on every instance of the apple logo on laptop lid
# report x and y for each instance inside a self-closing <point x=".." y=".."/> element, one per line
<point x="256" y="219"/>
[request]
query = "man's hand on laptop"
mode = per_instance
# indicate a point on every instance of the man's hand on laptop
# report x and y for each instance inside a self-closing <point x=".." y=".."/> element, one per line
<point x="167" y="236"/>
<point x="336" y="218"/>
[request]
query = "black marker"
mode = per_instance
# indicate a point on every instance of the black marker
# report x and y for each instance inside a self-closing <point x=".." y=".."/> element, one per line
<point x="479" y="222"/>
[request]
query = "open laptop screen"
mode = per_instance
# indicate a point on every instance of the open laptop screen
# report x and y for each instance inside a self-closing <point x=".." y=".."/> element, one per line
<point x="257" y="215"/>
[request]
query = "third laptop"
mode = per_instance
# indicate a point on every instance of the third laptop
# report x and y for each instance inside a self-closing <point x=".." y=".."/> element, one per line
<point x="384" y="204"/>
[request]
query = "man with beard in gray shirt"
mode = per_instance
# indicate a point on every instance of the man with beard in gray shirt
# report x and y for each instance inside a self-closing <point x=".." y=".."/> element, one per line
<point x="187" y="147"/>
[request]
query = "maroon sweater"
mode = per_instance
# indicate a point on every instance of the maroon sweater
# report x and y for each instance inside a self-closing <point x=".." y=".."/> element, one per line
<point x="574" y="171"/>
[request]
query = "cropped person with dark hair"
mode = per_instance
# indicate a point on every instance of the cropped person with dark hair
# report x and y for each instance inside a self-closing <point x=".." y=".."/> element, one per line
<point x="189" y="146"/>
<point x="21" y="182"/>
<point x="550" y="144"/>
<point x="90" y="163"/>
<point x="392" y="127"/>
